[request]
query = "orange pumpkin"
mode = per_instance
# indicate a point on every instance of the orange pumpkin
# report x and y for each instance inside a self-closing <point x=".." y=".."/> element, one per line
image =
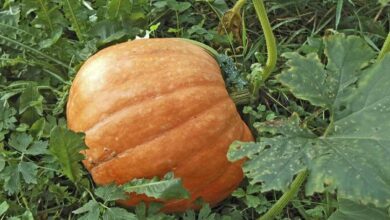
<point x="152" y="106"/>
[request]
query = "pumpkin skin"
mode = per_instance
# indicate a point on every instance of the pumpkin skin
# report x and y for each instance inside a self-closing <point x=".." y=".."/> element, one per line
<point x="151" y="106"/>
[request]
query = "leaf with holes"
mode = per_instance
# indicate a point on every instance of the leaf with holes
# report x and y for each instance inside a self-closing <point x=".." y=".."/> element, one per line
<point x="351" y="157"/>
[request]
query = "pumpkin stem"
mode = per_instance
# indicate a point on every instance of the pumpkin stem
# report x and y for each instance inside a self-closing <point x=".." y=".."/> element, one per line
<point x="241" y="97"/>
<point x="278" y="207"/>
<point x="385" y="48"/>
<point x="271" y="48"/>
<point x="208" y="49"/>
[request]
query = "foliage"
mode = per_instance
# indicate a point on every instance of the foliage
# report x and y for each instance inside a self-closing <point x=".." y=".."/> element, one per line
<point x="44" y="42"/>
<point x="351" y="154"/>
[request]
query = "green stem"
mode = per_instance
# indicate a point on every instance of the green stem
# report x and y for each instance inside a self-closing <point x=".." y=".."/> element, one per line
<point x="241" y="97"/>
<point x="385" y="48"/>
<point x="271" y="48"/>
<point x="328" y="204"/>
<point x="278" y="207"/>
<point x="269" y="38"/>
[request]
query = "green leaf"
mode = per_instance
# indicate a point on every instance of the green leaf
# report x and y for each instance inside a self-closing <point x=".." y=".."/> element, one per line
<point x="66" y="145"/>
<point x="349" y="210"/>
<point x="2" y="163"/>
<point x="205" y="213"/>
<point x="239" y="193"/>
<point x="7" y="119"/>
<point x="20" y="141"/>
<point x="119" y="9"/>
<point x="11" y="179"/>
<point x="166" y="188"/>
<point x="76" y="15"/>
<point x="38" y="127"/>
<point x="253" y="201"/>
<point x="339" y="9"/>
<point x="110" y="192"/>
<point x="118" y="214"/>
<point x="351" y="158"/>
<point x="53" y="38"/>
<point x="27" y="215"/>
<point x="275" y="166"/>
<point x="29" y="171"/>
<point x="308" y="79"/>
<point x="31" y="98"/>
<point x="178" y="6"/>
<point x="3" y="207"/>
<point x="90" y="211"/>
<point x="37" y="148"/>
<point x="47" y="15"/>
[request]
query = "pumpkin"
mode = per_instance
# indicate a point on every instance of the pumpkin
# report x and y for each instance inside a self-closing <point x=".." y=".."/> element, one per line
<point x="151" y="106"/>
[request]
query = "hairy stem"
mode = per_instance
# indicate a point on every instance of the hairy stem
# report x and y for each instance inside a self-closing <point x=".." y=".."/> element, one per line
<point x="241" y="97"/>
<point x="385" y="48"/>
<point x="269" y="38"/>
<point x="278" y="207"/>
<point x="271" y="47"/>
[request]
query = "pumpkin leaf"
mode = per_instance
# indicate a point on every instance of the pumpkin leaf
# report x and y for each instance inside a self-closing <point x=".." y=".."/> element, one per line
<point x="349" y="210"/>
<point x="351" y="157"/>
<point x="326" y="85"/>
<point x="166" y="188"/>
<point x="65" y="145"/>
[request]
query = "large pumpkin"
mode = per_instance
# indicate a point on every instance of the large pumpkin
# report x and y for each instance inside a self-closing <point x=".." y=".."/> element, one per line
<point x="152" y="106"/>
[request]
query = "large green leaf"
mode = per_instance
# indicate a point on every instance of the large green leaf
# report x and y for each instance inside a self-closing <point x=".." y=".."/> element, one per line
<point x="323" y="85"/>
<point x="349" y="210"/>
<point x="351" y="158"/>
